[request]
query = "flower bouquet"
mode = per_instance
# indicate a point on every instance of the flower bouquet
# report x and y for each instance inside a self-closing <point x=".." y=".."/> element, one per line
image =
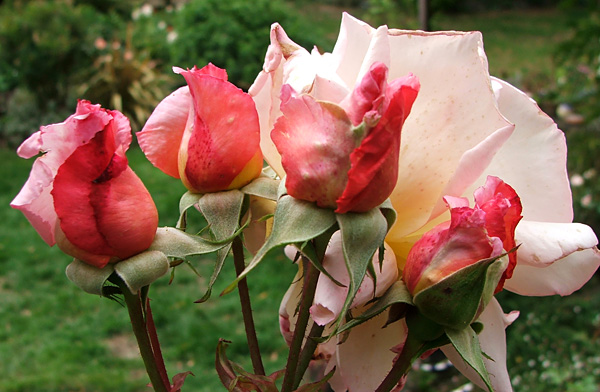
<point x="406" y="184"/>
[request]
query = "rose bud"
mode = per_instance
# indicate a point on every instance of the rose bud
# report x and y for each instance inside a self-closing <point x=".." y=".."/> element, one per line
<point x="455" y="268"/>
<point x="206" y="133"/>
<point x="345" y="156"/>
<point x="81" y="193"/>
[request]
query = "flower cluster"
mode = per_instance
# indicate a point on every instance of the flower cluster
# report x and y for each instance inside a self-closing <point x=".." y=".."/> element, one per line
<point x="411" y="184"/>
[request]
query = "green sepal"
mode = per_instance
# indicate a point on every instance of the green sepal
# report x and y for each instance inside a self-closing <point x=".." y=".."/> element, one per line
<point x="316" y="252"/>
<point x="396" y="294"/>
<point x="186" y="202"/>
<point x="142" y="269"/>
<point x="222" y="211"/>
<point x="295" y="221"/>
<point x="87" y="277"/>
<point x="263" y="186"/>
<point x="387" y="209"/>
<point x="180" y="245"/>
<point x="466" y="343"/>
<point x="456" y="301"/>
<point x="362" y="234"/>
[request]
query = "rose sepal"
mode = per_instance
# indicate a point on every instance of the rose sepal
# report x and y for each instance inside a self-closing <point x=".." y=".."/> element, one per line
<point x="397" y="294"/>
<point x="87" y="277"/>
<point x="137" y="271"/>
<point x="466" y="343"/>
<point x="457" y="300"/>
<point x="294" y="222"/>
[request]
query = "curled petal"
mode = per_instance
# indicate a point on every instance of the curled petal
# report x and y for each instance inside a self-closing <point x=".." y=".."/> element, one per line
<point x="161" y="136"/>
<point x="315" y="142"/>
<point x="374" y="164"/>
<point x="57" y="142"/>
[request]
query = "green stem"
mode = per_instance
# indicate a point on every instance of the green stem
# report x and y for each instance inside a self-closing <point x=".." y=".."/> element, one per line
<point x="238" y="260"/>
<point x="402" y="366"/>
<point x="311" y="275"/>
<point x="307" y="352"/>
<point x="138" y="323"/>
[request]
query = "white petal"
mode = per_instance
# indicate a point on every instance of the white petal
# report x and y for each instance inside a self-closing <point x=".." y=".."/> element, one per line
<point x="453" y="113"/>
<point x="533" y="160"/>
<point x="351" y="48"/>
<point x="562" y="277"/>
<point x="472" y="164"/>
<point x="543" y="243"/>
<point x="493" y="343"/>
<point x="365" y="358"/>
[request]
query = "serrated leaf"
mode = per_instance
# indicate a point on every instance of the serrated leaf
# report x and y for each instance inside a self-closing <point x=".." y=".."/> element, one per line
<point x="466" y="343"/>
<point x="396" y="294"/>
<point x="87" y="277"/>
<point x="180" y="245"/>
<point x="295" y="221"/>
<point x="362" y="234"/>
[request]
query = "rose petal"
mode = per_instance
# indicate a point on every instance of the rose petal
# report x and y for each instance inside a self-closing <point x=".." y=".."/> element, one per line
<point x="543" y="243"/>
<point x="351" y="47"/>
<point x="315" y="142"/>
<point x="365" y="358"/>
<point x="57" y="142"/>
<point x="161" y="136"/>
<point x="224" y="138"/>
<point x="539" y="178"/>
<point x="455" y="111"/>
<point x="493" y="343"/>
<point x="471" y="166"/>
<point x="125" y="214"/>
<point x="563" y="277"/>
<point x="35" y="201"/>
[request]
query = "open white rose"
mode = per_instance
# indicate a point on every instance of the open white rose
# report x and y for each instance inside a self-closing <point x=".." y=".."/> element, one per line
<point x="464" y="126"/>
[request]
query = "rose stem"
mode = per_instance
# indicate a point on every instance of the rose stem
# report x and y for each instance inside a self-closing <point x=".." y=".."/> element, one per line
<point x="311" y="276"/>
<point x="138" y="324"/>
<point x="307" y="352"/>
<point x="238" y="259"/>
<point x="411" y="349"/>
<point x="158" y="357"/>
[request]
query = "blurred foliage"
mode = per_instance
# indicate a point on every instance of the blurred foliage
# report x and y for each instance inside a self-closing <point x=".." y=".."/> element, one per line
<point x="124" y="82"/>
<point x="233" y="34"/>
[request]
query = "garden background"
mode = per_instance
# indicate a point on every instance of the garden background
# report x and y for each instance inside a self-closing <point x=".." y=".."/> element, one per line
<point x="53" y="337"/>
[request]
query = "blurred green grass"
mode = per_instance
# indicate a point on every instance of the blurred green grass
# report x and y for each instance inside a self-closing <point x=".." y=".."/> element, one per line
<point x="53" y="337"/>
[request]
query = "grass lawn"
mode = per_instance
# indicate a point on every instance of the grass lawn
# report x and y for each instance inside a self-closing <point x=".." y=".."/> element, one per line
<point x="54" y="337"/>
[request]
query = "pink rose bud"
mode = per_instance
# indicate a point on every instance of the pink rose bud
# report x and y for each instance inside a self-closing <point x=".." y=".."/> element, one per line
<point x="441" y="269"/>
<point x="206" y="133"/>
<point x="345" y="157"/>
<point x="81" y="193"/>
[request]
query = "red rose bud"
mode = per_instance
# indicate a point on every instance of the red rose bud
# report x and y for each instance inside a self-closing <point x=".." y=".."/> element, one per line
<point x="82" y="194"/>
<point x="345" y="157"/>
<point x="455" y="268"/>
<point x="206" y="133"/>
